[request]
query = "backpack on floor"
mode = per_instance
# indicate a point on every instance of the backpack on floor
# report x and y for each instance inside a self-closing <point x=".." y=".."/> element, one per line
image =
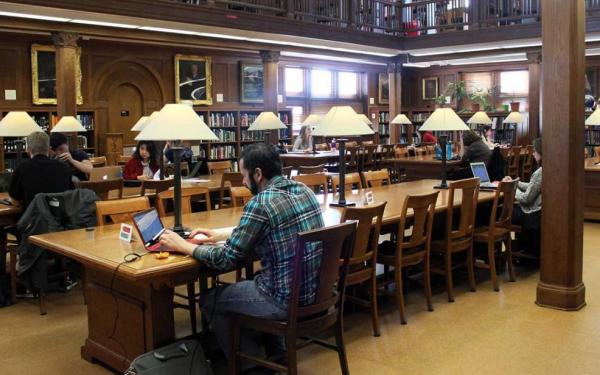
<point x="184" y="357"/>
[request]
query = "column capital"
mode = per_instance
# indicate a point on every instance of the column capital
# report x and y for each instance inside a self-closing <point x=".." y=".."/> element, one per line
<point x="269" y="56"/>
<point x="397" y="63"/>
<point x="534" y="57"/>
<point x="65" y="39"/>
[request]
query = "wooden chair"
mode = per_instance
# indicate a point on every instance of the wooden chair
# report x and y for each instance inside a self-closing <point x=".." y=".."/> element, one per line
<point x="413" y="249"/>
<point x="430" y="149"/>
<point x="499" y="230"/>
<point x="461" y="238"/>
<point x="369" y="159"/>
<point x="123" y="159"/>
<point x="401" y="152"/>
<point x="352" y="158"/>
<point x="104" y="187"/>
<point x="119" y="210"/>
<point x="308" y="320"/>
<point x="240" y="195"/>
<point x="156" y="185"/>
<point x="287" y="171"/>
<point x="376" y="178"/>
<point x="311" y="169"/>
<point x="597" y="151"/>
<point x="351" y="180"/>
<point x="186" y="199"/>
<point x="315" y="181"/>
<point x="586" y="153"/>
<point x="362" y="264"/>
<point x="322" y="146"/>
<point x="99" y="161"/>
<point x="229" y="180"/>
<point x="219" y="167"/>
<point x="513" y="162"/>
<point x="527" y="168"/>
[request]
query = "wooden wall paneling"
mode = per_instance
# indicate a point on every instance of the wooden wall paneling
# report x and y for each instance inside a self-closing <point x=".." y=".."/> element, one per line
<point x="270" y="61"/>
<point x="535" y="71"/>
<point x="66" y="74"/>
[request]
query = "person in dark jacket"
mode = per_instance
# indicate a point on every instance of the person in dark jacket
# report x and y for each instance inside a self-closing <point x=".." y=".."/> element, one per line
<point x="39" y="174"/>
<point x="143" y="164"/>
<point x="475" y="149"/>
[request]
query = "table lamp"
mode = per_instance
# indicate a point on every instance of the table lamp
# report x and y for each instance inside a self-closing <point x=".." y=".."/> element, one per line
<point x="176" y="123"/>
<point x="342" y="121"/>
<point x="313" y="121"/>
<point x="365" y="119"/>
<point x="401" y="119"/>
<point x="139" y="125"/>
<point x="67" y="125"/>
<point x="18" y="124"/>
<point x="443" y="120"/>
<point x="594" y="118"/>
<point x="267" y="121"/>
<point x="480" y="118"/>
<point x="514" y="118"/>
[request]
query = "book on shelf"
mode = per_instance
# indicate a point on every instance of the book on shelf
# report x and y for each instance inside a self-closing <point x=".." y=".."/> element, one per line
<point x="225" y="135"/>
<point x="222" y="119"/>
<point x="222" y="152"/>
<point x="87" y="120"/>
<point x="246" y="119"/>
<point x="384" y="117"/>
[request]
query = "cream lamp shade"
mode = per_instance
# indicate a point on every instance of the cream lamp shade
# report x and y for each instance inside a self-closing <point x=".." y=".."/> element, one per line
<point x="443" y="119"/>
<point x="139" y="125"/>
<point x="68" y="124"/>
<point x="342" y="121"/>
<point x="364" y="117"/>
<point x="267" y="121"/>
<point x="176" y="122"/>
<point x="480" y="118"/>
<point x="594" y="118"/>
<point x="513" y="118"/>
<point x="312" y="120"/>
<point x="18" y="124"/>
<point x="401" y="119"/>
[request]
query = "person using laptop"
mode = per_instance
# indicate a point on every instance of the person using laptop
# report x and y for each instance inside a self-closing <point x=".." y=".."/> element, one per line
<point x="474" y="149"/>
<point x="78" y="161"/>
<point x="143" y="163"/>
<point x="279" y="210"/>
<point x="304" y="139"/>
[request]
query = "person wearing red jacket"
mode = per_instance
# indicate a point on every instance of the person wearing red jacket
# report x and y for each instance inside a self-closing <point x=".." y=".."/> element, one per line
<point x="428" y="137"/>
<point x="143" y="163"/>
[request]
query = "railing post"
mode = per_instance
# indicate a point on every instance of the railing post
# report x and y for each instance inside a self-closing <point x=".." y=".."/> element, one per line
<point x="475" y="21"/>
<point x="289" y="4"/>
<point x="210" y="3"/>
<point x="351" y="6"/>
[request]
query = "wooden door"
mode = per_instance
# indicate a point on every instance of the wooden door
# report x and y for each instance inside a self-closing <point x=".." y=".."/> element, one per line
<point x="125" y="104"/>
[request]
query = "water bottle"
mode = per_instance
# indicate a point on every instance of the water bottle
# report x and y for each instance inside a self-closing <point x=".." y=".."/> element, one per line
<point x="438" y="151"/>
<point x="333" y="144"/>
<point x="449" y="150"/>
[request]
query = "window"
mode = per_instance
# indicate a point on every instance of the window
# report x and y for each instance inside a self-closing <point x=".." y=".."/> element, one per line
<point x="477" y="81"/>
<point x="294" y="82"/>
<point x="514" y="83"/>
<point x="347" y="84"/>
<point x="321" y="84"/>
<point x="297" y="116"/>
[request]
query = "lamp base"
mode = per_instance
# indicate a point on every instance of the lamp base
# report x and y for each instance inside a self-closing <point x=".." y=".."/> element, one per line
<point x="342" y="204"/>
<point x="182" y="231"/>
<point x="441" y="186"/>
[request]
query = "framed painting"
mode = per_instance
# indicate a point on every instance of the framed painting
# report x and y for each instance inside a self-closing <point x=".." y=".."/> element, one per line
<point x="43" y="75"/>
<point x="384" y="88"/>
<point x="193" y="79"/>
<point x="251" y="83"/>
<point x="430" y="88"/>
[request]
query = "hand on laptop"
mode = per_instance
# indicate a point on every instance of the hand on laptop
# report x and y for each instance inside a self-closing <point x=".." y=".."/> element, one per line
<point x="203" y="235"/>
<point x="174" y="241"/>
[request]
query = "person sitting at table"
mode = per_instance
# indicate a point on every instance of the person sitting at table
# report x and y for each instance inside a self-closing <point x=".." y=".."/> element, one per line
<point x="81" y="167"/>
<point x="143" y="163"/>
<point x="527" y="211"/>
<point x="186" y="154"/>
<point x="474" y="149"/>
<point x="39" y="174"/>
<point x="487" y="138"/>
<point x="279" y="210"/>
<point x="428" y="137"/>
<point x="304" y="140"/>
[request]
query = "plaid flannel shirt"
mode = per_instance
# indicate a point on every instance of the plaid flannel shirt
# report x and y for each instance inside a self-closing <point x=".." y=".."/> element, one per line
<point x="268" y="228"/>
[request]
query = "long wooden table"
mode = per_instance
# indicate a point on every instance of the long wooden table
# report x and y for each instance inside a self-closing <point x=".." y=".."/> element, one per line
<point x="298" y="159"/>
<point x="591" y="187"/>
<point x="423" y="166"/>
<point x="212" y="182"/>
<point x="130" y="305"/>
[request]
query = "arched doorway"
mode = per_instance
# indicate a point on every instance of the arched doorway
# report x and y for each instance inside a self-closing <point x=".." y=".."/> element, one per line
<point x="125" y="107"/>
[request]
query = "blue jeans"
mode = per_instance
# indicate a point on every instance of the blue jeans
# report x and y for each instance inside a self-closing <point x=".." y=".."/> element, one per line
<point x="242" y="297"/>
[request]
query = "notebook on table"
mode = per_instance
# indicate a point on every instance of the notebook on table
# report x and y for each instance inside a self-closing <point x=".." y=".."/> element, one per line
<point x="480" y="170"/>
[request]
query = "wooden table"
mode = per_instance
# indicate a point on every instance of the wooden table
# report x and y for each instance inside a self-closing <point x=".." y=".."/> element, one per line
<point x="296" y="159"/>
<point x="423" y="166"/>
<point x="212" y="182"/>
<point x="135" y="315"/>
<point x="591" y="189"/>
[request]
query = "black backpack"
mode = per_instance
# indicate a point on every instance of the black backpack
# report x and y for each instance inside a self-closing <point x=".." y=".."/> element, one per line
<point x="496" y="165"/>
<point x="184" y="357"/>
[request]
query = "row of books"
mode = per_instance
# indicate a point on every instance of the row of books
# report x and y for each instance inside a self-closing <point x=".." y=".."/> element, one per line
<point x="41" y="120"/>
<point x="10" y="144"/>
<point x="384" y="117"/>
<point x="225" y="135"/>
<point x="222" y="119"/>
<point x="384" y="129"/>
<point x="222" y="152"/>
<point x="420" y="116"/>
<point x="592" y="137"/>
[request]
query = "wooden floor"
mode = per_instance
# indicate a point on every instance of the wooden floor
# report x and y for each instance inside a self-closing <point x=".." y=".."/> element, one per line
<point x="486" y="332"/>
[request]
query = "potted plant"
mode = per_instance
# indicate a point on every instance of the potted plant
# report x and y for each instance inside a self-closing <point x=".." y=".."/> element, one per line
<point x="457" y="91"/>
<point x="514" y="105"/>
<point x="440" y="101"/>
<point x="479" y="99"/>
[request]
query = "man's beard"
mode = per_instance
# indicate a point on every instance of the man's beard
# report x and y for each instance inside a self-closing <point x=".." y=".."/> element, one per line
<point x="253" y="185"/>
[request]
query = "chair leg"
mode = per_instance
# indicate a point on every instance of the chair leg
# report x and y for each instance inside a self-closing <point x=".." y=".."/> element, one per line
<point x="374" y="309"/>
<point x="42" y="303"/>
<point x="471" y="268"/>
<point x="492" y="264"/>
<point x="13" y="275"/>
<point x="341" y="348"/>
<point x="400" y="293"/>
<point x="290" y="347"/>
<point x="448" y="271"/>
<point x="511" y="269"/>
<point x="234" y="346"/>
<point x="191" y="296"/>
<point x="427" y="282"/>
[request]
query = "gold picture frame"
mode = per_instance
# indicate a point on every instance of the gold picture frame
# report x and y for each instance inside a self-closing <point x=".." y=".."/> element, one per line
<point x="191" y="83"/>
<point x="430" y="88"/>
<point x="43" y="75"/>
<point x="384" y="88"/>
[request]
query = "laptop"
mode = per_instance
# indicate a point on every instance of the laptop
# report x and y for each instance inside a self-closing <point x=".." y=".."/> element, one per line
<point x="106" y="173"/>
<point x="150" y="228"/>
<point x="480" y="170"/>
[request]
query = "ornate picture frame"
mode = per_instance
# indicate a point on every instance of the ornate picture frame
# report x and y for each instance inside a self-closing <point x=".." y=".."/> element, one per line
<point x="251" y="83"/>
<point x="43" y="75"/>
<point x="430" y="88"/>
<point x="193" y="79"/>
<point x="384" y="88"/>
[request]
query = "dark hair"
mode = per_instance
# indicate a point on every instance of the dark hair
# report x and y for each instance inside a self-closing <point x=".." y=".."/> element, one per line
<point x="57" y="139"/>
<point x="263" y="156"/>
<point x="537" y="145"/>
<point x="470" y="137"/>
<point x="152" y="150"/>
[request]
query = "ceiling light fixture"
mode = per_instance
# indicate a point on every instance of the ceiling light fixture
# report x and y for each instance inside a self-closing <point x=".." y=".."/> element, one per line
<point x="166" y="30"/>
<point x="34" y="16"/>
<point x="107" y="24"/>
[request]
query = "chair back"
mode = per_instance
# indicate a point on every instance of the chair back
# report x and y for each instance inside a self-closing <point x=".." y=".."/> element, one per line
<point x="315" y="181"/>
<point x="350" y="180"/>
<point x="322" y="146"/>
<point x="401" y="152"/>
<point x="336" y="243"/>
<point x="229" y="180"/>
<point x="119" y="210"/>
<point x="367" y="231"/>
<point x="466" y="223"/>
<point x="597" y="151"/>
<point x="369" y="156"/>
<point x="98" y="161"/>
<point x="504" y="200"/>
<point x="219" y="167"/>
<point x="430" y="149"/>
<point x="287" y="171"/>
<point x="423" y="207"/>
<point x="527" y="163"/>
<point x="156" y="185"/>
<point x="352" y="156"/>
<point x="388" y="152"/>
<point x="104" y="187"/>
<point x="376" y="178"/>
<point x="513" y="162"/>
<point x="123" y="159"/>
<point x="186" y="199"/>
<point x="240" y="195"/>
<point x="311" y="169"/>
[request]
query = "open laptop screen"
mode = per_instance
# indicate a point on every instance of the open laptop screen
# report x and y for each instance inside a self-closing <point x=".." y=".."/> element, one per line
<point x="148" y="224"/>
<point x="479" y="170"/>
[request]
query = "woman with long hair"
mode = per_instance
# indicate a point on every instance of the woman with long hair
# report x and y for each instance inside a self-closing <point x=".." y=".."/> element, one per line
<point x="143" y="163"/>
<point x="304" y="140"/>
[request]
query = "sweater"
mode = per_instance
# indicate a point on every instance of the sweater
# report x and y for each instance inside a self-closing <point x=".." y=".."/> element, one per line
<point x="529" y="194"/>
<point x="134" y="168"/>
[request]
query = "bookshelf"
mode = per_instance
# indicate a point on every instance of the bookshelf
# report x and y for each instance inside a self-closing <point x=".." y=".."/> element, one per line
<point x="592" y="138"/>
<point x="502" y="133"/>
<point x="380" y="117"/>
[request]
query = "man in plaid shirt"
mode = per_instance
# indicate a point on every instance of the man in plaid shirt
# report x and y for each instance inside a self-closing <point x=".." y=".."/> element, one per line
<point x="280" y="209"/>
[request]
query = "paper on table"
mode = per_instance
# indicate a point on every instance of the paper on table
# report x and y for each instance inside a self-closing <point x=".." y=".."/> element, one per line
<point x="195" y="180"/>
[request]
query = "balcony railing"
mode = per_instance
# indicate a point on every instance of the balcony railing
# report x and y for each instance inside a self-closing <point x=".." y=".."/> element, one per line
<point x="414" y="18"/>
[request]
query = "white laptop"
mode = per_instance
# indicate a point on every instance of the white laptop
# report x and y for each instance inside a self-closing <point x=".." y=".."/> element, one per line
<point x="106" y="173"/>
<point x="480" y="170"/>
